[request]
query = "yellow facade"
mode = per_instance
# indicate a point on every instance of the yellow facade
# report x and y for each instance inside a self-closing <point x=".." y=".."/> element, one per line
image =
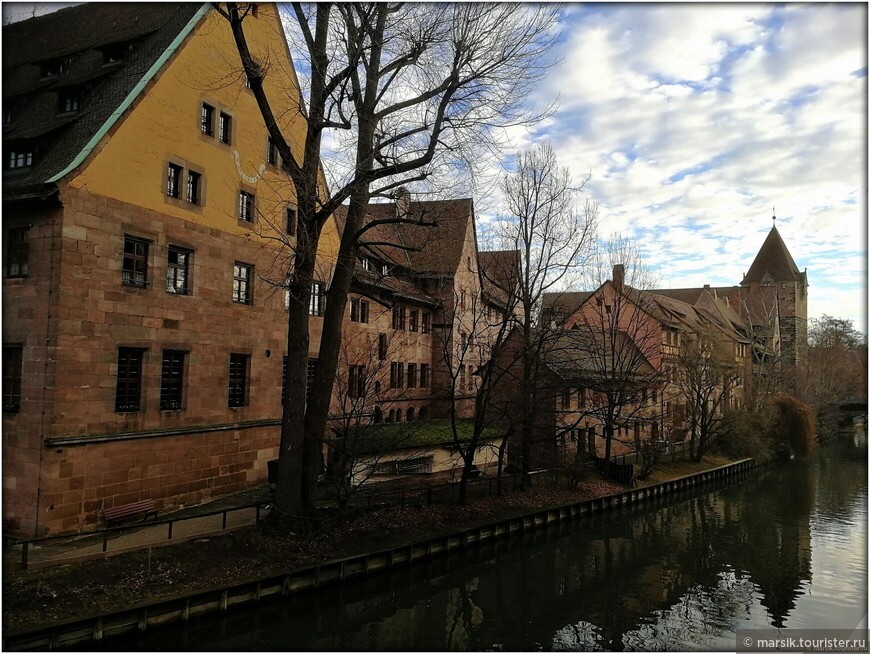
<point x="164" y="125"/>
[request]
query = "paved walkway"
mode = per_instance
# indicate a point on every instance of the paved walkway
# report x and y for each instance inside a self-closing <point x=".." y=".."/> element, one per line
<point x="186" y="523"/>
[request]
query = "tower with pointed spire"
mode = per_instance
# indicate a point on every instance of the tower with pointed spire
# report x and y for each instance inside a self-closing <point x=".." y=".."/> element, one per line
<point x="775" y="291"/>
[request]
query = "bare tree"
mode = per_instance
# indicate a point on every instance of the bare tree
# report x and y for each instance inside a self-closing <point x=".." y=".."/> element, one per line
<point x="553" y="240"/>
<point x="706" y="375"/>
<point x="416" y="86"/>
<point x="620" y="344"/>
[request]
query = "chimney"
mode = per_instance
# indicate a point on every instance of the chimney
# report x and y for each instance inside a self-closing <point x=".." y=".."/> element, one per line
<point x="403" y="201"/>
<point x="618" y="276"/>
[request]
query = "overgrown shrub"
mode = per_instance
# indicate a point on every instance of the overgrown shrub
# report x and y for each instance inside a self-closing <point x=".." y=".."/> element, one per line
<point x="745" y="434"/>
<point x="793" y="423"/>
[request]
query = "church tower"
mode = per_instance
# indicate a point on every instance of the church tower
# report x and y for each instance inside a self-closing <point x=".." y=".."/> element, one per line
<point x="775" y="280"/>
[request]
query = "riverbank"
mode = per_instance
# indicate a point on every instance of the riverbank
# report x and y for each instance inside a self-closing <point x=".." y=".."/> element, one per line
<point x="40" y="598"/>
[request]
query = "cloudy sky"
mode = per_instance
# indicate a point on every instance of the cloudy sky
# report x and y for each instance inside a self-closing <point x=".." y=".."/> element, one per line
<point x="696" y="120"/>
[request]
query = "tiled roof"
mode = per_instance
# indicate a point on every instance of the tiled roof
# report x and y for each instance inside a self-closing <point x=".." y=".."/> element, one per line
<point x="430" y="244"/>
<point x="561" y="304"/>
<point x="76" y="38"/>
<point x="775" y="260"/>
<point x="499" y="272"/>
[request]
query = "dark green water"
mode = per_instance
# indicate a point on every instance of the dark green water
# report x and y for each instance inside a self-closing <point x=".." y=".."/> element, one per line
<point x="786" y="548"/>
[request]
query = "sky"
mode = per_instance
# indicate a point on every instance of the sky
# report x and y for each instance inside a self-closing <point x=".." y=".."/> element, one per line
<point x="696" y="120"/>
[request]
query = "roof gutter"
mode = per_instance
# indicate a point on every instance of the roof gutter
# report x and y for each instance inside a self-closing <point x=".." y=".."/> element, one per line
<point x="133" y="95"/>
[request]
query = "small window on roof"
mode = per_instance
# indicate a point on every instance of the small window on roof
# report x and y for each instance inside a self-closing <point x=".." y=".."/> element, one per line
<point x="53" y="67"/>
<point x="115" y="52"/>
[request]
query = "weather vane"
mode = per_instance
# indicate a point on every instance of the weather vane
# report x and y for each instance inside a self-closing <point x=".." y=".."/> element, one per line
<point x="774" y="215"/>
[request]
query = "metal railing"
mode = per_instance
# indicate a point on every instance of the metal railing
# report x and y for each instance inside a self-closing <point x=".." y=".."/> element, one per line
<point x="103" y="535"/>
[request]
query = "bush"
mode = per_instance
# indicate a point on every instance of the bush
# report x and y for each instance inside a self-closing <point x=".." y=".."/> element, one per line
<point x="745" y="434"/>
<point x="793" y="424"/>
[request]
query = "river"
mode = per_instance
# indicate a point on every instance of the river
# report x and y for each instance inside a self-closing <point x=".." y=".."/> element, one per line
<point x="785" y="548"/>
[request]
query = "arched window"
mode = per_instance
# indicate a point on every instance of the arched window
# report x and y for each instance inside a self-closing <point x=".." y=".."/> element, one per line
<point x="422" y="414"/>
<point x="379" y="415"/>
<point x="391" y="416"/>
<point x="409" y="414"/>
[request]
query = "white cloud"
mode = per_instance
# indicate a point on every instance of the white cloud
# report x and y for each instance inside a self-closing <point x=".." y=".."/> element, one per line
<point x="696" y="120"/>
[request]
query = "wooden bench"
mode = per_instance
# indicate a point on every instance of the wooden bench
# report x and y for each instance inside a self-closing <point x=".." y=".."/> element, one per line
<point x="142" y="508"/>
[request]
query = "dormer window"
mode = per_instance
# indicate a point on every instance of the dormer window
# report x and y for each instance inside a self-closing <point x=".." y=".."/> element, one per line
<point x="366" y="264"/>
<point x="53" y="68"/>
<point x="69" y="102"/>
<point x="20" y="158"/>
<point x="115" y="52"/>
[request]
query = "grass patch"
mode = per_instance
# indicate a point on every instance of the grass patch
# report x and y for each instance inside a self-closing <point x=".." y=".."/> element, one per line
<point x="667" y="470"/>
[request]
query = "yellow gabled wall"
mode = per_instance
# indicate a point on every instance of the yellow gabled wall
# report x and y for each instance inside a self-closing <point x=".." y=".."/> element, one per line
<point x="163" y="125"/>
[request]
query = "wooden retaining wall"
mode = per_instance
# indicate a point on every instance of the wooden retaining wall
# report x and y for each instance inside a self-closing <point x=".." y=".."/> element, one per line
<point x="83" y="630"/>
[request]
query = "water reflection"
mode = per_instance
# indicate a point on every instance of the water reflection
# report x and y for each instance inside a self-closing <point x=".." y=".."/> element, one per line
<point x="683" y="576"/>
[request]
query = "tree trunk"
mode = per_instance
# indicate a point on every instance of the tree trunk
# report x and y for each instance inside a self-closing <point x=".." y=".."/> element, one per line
<point x="291" y="511"/>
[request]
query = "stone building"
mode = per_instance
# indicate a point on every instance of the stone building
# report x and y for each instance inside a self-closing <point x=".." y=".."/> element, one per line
<point x="759" y="327"/>
<point x="146" y="224"/>
<point x="417" y="329"/>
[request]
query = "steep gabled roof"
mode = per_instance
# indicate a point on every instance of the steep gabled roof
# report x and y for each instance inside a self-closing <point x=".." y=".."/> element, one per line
<point x="559" y="305"/>
<point x="430" y="243"/>
<point x="500" y="273"/>
<point x="139" y="35"/>
<point x="775" y="260"/>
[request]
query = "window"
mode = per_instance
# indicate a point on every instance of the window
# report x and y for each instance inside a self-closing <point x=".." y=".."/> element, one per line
<point x="193" y="185"/>
<point x="356" y="381"/>
<point x="581" y="397"/>
<point x="399" y="318"/>
<point x="171" y="380"/>
<point x="566" y="398"/>
<point x="462" y="300"/>
<point x="207" y="119"/>
<point x="412" y="320"/>
<point x="461" y="377"/>
<point x="17" y="252"/>
<point x="462" y="342"/>
<point x="424" y="376"/>
<point x="379" y="415"/>
<point x="397" y="372"/>
<point x="115" y="52"/>
<point x="53" y="68"/>
<point x="12" y="358"/>
<point x="20" y="158"/>
<point x="173" y="180"/>
<point x="238" y="388"/>
<point x="225" y="122"/>
<point x="469" y="378"/>
<point x="411" y="466"/>
<point x="291" y="221"/>
<point x="177" y="268"/>
<point x="242" y="276"/>
<point x="412" y="375"/>
<point x="421" y="415"/>
<point x="317" y="303"/>
<point x="425" y="325"/>
<point x="271" y="152"/>
<point x="366" y="264"/>
<point x="134" y="270"/>
<point x="385" y="269"/>
<point x="246" y="206"/>
<point x="409" y="414"/>
<point x="382" y="347"/>
<point x="129" y="385"/>
<point x="359" y="310"/>
<point x="68" y="102"/>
